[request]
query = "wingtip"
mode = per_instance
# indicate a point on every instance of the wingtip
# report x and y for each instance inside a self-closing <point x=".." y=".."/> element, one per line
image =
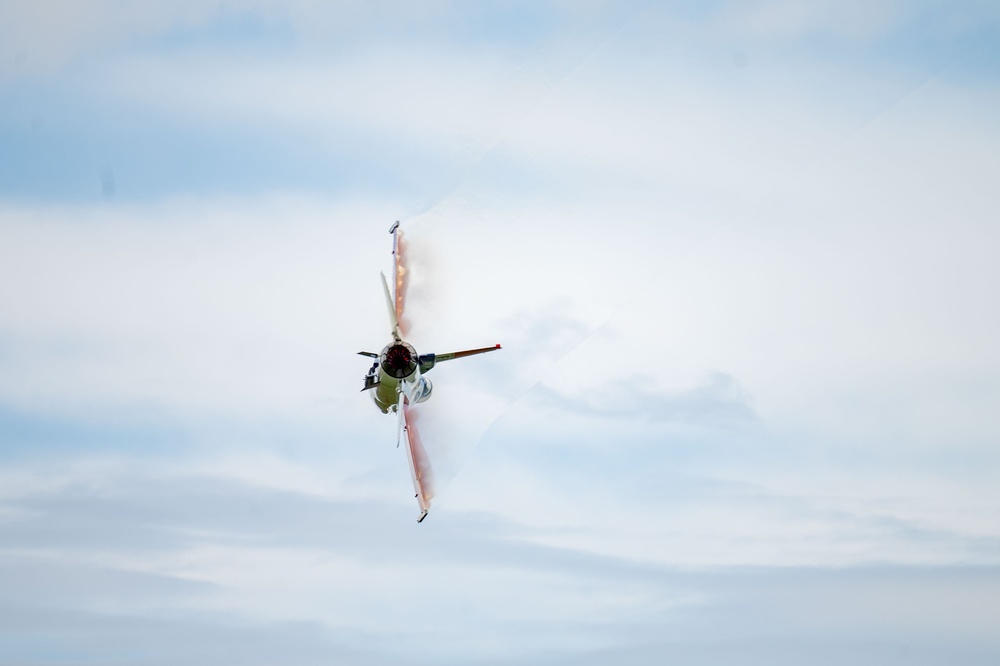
<point x="498" y="346"/>
<point x="422" y="516"/>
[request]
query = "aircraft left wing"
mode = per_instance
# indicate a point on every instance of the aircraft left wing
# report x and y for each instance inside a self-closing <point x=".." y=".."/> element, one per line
<point x="416" y="456"/>
<point x="400" y="276"/>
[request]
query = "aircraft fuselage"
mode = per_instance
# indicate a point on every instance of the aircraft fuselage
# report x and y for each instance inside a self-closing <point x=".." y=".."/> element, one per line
<point x="397" y="370"/>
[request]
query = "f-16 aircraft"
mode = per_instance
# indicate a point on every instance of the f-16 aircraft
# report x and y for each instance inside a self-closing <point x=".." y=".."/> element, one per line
<point x="396" y="379"/>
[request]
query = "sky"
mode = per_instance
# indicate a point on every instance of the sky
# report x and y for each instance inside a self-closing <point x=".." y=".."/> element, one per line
<point x="741" y="257"/>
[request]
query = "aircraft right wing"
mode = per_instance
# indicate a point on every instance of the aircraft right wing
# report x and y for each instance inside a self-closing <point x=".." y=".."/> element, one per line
<point x="462" y="354"/>
<point x="416" y="456"/>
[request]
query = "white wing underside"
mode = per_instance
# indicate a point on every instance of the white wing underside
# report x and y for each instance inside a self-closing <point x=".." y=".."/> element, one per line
<point x="416" y="457"/>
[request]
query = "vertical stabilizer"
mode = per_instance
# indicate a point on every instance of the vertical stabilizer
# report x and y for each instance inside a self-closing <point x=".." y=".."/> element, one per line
<point x="392" y="310"/>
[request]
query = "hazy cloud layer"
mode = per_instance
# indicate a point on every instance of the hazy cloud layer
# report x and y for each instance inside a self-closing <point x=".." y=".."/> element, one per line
<point x="160" y="556"/>
<point x="740" y="257"/>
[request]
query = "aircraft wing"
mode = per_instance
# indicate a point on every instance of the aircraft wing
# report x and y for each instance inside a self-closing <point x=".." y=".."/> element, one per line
<point x="416" y="456"/>
<point x="462" y="354"/>
<point x="400" y="277"/>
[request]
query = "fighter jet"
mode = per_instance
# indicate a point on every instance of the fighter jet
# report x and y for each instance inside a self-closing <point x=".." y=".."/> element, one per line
<point x="396" y="380"/>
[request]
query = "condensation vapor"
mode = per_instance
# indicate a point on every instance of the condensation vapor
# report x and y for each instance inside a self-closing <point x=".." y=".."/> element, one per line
<point x="450" y="425"/>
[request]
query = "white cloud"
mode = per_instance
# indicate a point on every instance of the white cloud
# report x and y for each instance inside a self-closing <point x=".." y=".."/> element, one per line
<point x="188" y="305"/>
<point x="793" y="19"/>
<point x="42" y="37"/>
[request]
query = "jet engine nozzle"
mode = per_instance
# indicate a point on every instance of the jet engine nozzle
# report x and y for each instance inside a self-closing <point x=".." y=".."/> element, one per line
<point x="399" y="360"/>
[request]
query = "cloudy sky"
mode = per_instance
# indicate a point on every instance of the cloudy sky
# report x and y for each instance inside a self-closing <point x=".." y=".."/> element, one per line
<point x="742" y="258"/>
